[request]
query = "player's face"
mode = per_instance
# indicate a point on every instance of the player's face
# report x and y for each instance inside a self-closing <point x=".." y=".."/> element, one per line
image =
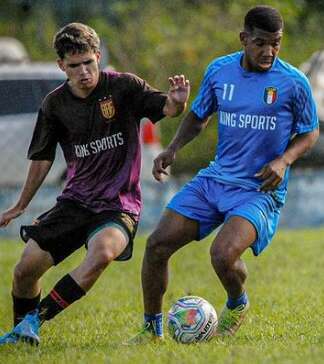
<point x="260" y="49"/>
<point x="82" y="70"/>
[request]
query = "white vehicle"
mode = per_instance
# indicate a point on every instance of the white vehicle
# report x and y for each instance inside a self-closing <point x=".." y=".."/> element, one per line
<point x="12" y="51"/>
<point x="22" y="88"/>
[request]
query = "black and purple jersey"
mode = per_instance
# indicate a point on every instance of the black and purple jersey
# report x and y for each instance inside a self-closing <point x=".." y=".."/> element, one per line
<point x="100" y="139"/>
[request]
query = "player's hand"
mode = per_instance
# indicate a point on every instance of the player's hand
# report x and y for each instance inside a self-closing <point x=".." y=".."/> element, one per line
<point x="272" y="174"/>
<point x="179" y="89"/>
<point x="161" y="162"/>
<point x="10" y="214"/>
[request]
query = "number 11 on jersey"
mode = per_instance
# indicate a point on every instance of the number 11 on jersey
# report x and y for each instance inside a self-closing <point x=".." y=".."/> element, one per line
<point x="228" y="91"/>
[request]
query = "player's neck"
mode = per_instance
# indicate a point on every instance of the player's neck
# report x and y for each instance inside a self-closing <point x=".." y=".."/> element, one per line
<point x="81" y="92"/>
<point x="246" y="65"/>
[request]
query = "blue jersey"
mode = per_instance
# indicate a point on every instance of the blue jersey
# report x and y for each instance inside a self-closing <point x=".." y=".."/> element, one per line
<point x="258" y="114"/>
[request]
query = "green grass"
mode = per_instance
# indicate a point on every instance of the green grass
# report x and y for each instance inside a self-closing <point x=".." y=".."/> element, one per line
<point x="285" y="324"/>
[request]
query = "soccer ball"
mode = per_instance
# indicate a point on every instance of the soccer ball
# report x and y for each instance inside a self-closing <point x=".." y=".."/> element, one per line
<point x="191" y="319"/>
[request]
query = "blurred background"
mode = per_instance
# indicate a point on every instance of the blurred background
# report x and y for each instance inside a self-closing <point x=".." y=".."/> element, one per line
<point x="154" y="39"/>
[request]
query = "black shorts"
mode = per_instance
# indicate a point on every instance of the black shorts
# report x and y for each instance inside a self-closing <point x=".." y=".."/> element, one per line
<point x="67" y="226"/>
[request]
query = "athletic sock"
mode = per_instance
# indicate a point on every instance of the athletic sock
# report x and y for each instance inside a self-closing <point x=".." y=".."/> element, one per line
<point x="156" y="322"/>
<point x="235" y="302"/>
<point x="21" y="306"/>
<point x="65" y="292"/>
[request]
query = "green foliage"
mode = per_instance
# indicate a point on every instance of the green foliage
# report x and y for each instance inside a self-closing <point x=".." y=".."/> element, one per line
<point x="156" y="39"/>
<point x="284" y="325"/>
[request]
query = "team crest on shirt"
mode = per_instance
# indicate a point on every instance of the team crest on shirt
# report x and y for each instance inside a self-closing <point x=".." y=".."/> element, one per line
<point x="107" y="108"/>
<point x="270" y="95"/>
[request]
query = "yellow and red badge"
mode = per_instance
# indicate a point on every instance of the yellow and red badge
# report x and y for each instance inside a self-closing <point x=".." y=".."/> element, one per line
<point x="107" y="108"/>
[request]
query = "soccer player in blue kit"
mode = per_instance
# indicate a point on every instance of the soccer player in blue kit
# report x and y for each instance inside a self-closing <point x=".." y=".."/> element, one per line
<point x="266" y="120"/>
<point x="95" y="117"/>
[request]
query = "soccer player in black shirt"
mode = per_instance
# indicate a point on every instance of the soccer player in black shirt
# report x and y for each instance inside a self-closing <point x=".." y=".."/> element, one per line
<point x="94" y="117"/>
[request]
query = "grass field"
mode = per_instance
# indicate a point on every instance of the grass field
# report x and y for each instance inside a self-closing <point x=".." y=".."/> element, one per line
<point x="285" y="324"/>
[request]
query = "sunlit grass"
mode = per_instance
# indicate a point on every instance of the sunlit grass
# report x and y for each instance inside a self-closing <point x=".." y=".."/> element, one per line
<point x="285" y="324"/>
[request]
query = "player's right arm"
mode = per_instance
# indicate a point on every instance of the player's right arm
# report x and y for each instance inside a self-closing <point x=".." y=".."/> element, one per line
<point x="38" y="170"/>
<point x="189" y="128"/>
<point x="203" y="107"/>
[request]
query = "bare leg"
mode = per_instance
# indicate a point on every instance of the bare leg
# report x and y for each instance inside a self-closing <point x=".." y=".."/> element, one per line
<point x="103" y="248"/>
<point x="173" y="232"/>
<point x="233" y="239"/>
<point x="33" y="263"/>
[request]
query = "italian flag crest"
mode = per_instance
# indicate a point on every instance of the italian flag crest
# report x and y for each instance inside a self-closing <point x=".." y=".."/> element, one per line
<point x="270" y="95"/>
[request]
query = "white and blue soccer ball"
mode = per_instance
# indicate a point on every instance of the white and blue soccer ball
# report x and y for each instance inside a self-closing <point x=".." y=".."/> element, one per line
<point x="191" y="319"/>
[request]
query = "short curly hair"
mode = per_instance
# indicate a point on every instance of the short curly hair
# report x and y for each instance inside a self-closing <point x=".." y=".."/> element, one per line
<point x="75" y="38"/>
<point x="263" y="17"/>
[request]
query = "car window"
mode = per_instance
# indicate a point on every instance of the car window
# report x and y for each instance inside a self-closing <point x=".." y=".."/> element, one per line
<point x="24" y="96"/>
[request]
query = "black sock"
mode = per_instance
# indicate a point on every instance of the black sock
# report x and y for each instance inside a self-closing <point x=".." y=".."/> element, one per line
<point x="65" y="292"/>
<point x="21" y="306"/>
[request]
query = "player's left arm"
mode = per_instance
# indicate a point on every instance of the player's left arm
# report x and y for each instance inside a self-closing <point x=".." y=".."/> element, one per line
<point x="306" y="129"/>
<point x="273" y="173"/>
<point x="177" y="96"/>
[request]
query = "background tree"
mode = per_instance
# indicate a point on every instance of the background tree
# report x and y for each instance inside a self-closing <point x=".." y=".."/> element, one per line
<point x="157" y="38"/>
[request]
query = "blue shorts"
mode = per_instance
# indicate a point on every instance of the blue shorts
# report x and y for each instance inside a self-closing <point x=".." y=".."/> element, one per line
<point x="212" y="203"/>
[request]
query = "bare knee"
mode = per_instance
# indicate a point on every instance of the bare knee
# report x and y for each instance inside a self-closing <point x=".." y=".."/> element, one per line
<point x="234" y="238"/>
<point x="223" y="258"/>
<point x="25" y="273"/>
<point x="33" y="263"/>
<point x="102" y="258"/>
<point x="157" y="249"/>
<point x="19" y="272"/>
